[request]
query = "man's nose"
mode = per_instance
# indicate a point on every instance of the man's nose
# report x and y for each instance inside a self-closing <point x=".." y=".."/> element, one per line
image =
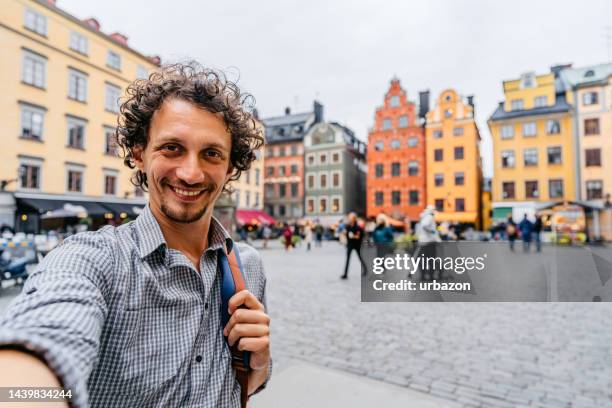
<point x="190" y="171"/>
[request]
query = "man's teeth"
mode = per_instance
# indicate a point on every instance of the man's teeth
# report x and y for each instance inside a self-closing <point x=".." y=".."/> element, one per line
<point x="186" y="193"/>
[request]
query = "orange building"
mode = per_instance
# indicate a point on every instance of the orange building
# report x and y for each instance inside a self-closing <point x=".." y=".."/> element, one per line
<point x="396" y="157"/>
<point x="454" y="173"/>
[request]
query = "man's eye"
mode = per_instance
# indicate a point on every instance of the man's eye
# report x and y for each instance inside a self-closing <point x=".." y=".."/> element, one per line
<point x="171" y="148"/>
<point x="213" y="153"/>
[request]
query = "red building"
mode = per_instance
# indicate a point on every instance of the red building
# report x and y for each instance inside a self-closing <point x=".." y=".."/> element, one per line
<point x="396" y="156"/>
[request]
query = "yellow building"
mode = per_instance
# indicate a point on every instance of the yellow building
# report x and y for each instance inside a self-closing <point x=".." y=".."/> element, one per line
<point x="62" y="78"/>
<point x="248" y="189"/>
<point x="454" y="173"/>
<point x="533" y="146"/>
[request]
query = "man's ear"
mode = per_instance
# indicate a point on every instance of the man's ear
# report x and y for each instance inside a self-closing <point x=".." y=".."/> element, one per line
<point x="137" y="153"/>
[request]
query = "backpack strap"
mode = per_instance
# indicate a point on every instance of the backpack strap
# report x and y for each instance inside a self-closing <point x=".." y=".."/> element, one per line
<point x="232" y="282"/>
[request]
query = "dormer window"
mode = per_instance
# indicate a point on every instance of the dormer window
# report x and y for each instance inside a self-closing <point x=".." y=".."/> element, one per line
<point x="589" y="73"/>
<point x="528" y="80"/>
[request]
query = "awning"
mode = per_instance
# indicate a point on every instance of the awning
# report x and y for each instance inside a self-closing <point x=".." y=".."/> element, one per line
<point x="248" y="217"/>
<point x="129" y="209"/>
<point x="456" y="216"/>
<point x="61" y="208"/>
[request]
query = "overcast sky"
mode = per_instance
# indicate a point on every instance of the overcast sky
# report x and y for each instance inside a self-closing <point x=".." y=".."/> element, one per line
<point x="344" y="53"/>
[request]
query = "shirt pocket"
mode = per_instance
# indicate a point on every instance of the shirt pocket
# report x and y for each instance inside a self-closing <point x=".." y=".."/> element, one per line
<point x="159" y="342"/>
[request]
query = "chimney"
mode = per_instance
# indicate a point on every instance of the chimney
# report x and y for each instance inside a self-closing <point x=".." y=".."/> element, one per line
<point x="555" y="69"/>
<point x="120" y="38"/>
<point x="318" y="112"/>
<point x="51" y="2"/>
<point x="423" y="103"/>
<point x="93" y="23"/>
<point x="155" y="59"/>
<point x="470" y="100"/>
<point x="287" y="111"/>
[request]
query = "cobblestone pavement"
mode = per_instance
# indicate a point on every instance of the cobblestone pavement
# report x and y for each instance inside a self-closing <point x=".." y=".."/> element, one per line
<point x="475" y="354"/>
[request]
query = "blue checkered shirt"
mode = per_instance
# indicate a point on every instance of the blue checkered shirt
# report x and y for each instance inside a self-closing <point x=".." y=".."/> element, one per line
<point x="125" y="321"/>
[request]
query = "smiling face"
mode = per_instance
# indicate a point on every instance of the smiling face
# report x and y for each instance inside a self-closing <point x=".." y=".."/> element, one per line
<point x="186" y="160"/>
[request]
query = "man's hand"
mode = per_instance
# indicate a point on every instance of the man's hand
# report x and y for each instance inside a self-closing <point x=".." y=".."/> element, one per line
<point x="249" y="325"/>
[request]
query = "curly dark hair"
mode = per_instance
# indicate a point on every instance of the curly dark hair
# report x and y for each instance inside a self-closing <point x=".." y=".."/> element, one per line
<point x="204" y="87"/>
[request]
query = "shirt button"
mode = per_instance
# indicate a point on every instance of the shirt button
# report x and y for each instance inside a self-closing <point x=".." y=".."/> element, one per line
<point x="198" y="358"/>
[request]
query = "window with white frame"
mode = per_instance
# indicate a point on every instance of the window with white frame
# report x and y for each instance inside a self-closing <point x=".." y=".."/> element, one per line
<point x="77" y="85"/>
<point x="540" y="101"/>
<point x="323" y="204"/>
<point x="507" y="131"/>
<point x="507" y="157"/>
<point x="113" y="60"/>
<point x="30" y="173"/>
<point x="323" y="180"/>
<point x="113" y="93"/>
<point x="34" y="69"/>
<point x="257" y="199"/>
<point x="335" y="204"/>
<point x="32" y="122"/>
<point x="439" y="179"/>
<point x="394" y="101"/>
<point x="335" y="157"/>
<point x="458" y="131"/>
<point x="110" y="182"/>
<point x="310" y="203"/>
<point x="310" y="181"/>
<point x="530" y="157"/>
<point x="310" y="159"/>
<point x="336" y="179"/>
<point x="529" y="129"/>
<point x="74" y="178"/>
<point x="386" y="124"/>
<point x="516" y="104"/>
<point x="590" y="98"/>
<point x="402" y="122"/>
<point x="323" y="158"/>
<point x="257" y="176"/>
<point x="76" y="133"/>
<point x="79" y="43"/>
<point x="110" y="141"/>
<point x="413" y="168"/>
<point x="35" y="21"/>
<point x="553" y="127"/>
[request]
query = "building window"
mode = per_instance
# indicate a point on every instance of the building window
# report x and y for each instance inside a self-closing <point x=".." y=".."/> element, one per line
<point x="79" y="43"/>
<point x="113" y="93"/>
<point x="448" y="113"/>
<point x="531" y="189"/>
<point x="294" y="150"/>
<point x="516" y="104"/>
<point x="142" y="72"/>
<point x="590" y="98"/>
<point x="336" y="180"/>
<point x="530" y="157"/>
<point x="395" y="144"/>
<point x="282" y="190"/>
<point x="138" y="191"/>
<point x="553" y="127"/>
<point x="413" y="168"/>
<point x="257" y="199"/>
<point x="113" y="60"/>
<point x="310" y="205"/>
<point x="458" y="131"/>
<point x="311" y="159"/>
<point x="438" y="155"/>
<point x="29" y="176"/>
<point x="395" y="169"/>
<point x="379" y="198"/>
<point x="437" y="134"/>
<point x="592" y="157"/>
<point x="459" y="178"/>
<point x="395" y="198"/>
<point x="591" y="126"/>
<point x="336" y="158"/>
<point x="76" y="133"/>
<point x="555" y="188"/>
<point x="378" y="146"/>
<point x="508" y="189"/>
<point x="540" y="101"/>
<point x="270" y="151"/>
<point x="413" y="142"/>
<point x="507" y="157"/>
<point x="77" y="85"/>
<point x="294" y="169"/>
<point x="323" y="205"/>
<point x="528" y="80"/>
<point x="110" y="184"/>
<point x="439" y="203"/>
<point x="32" y="121"/>
<point x="459" y="153"/>
<point x="257" y="176"/>
<point x="529" y="129"/>
<point x="36" y="22"/>
<point x="386" y="124"/>
<point x="248" y="177"/>
<point x="554" y="155"/>
<point x="323" y="181"/>
<point x="237" y="197"/>
<point x="379" y="168"/>
<point x="413" y="197"/>
<point x="394" y="101"/>
<point x="281" y="171"/>
<point x="270" y="171"/>
<point x="294" y="189"/>
<point x="34" y="69"/>
<point x="507" y="132"/>
<point x="323" y="158"/>
<point x="310" y="181"/>
<point x="594" y="189"/>
<point x="402" y="121"/>
<point x="281" y="210"/>
<point x="459" y="204"/>
<point x="75" y="181"/>
<point x="439" y="179"/>
<point x="269" y="190"/>
<point x="247" y="198"/>
<point x="335" y="205"/>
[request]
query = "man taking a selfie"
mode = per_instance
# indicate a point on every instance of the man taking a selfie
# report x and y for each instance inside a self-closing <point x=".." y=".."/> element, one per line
<point x="132" y="316"/>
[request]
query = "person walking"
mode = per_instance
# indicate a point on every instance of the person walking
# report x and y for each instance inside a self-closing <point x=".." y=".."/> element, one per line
<point x="354" y="237"/>
<point x="526" y="228"/>
<point x="537" y="230"/>
<point x="266" y="233"/>
<point x="382" y="236"/>
<point x="427" y="235"/>
<point x="287" y="235"/>
<point x="511" y="232"/>
<point x="308" y="234"/>
<point x="318" y="234"/>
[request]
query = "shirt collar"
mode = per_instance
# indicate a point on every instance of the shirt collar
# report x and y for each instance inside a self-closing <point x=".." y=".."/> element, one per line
<point x="150" y="236"/>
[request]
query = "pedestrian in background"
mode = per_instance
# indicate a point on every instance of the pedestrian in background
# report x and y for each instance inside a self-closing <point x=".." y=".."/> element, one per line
<point x="287" y="235"/>
<point x="266" y="233"/>
<point x="526" y="228"/>
<point x="427" y="234"/>
<point x="318" y="234"/>
<point x="537" y="230"/>
<point x="354" y="237"/>
<point x="511" y="232"/>
<point x="383" y="236"/>
<point x="308" y="234"/>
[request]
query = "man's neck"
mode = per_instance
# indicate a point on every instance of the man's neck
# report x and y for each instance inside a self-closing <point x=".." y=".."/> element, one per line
<point x="189" y="238"/>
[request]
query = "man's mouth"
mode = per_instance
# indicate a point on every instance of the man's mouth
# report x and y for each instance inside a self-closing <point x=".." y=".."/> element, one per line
<point x="187" y="195"/>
